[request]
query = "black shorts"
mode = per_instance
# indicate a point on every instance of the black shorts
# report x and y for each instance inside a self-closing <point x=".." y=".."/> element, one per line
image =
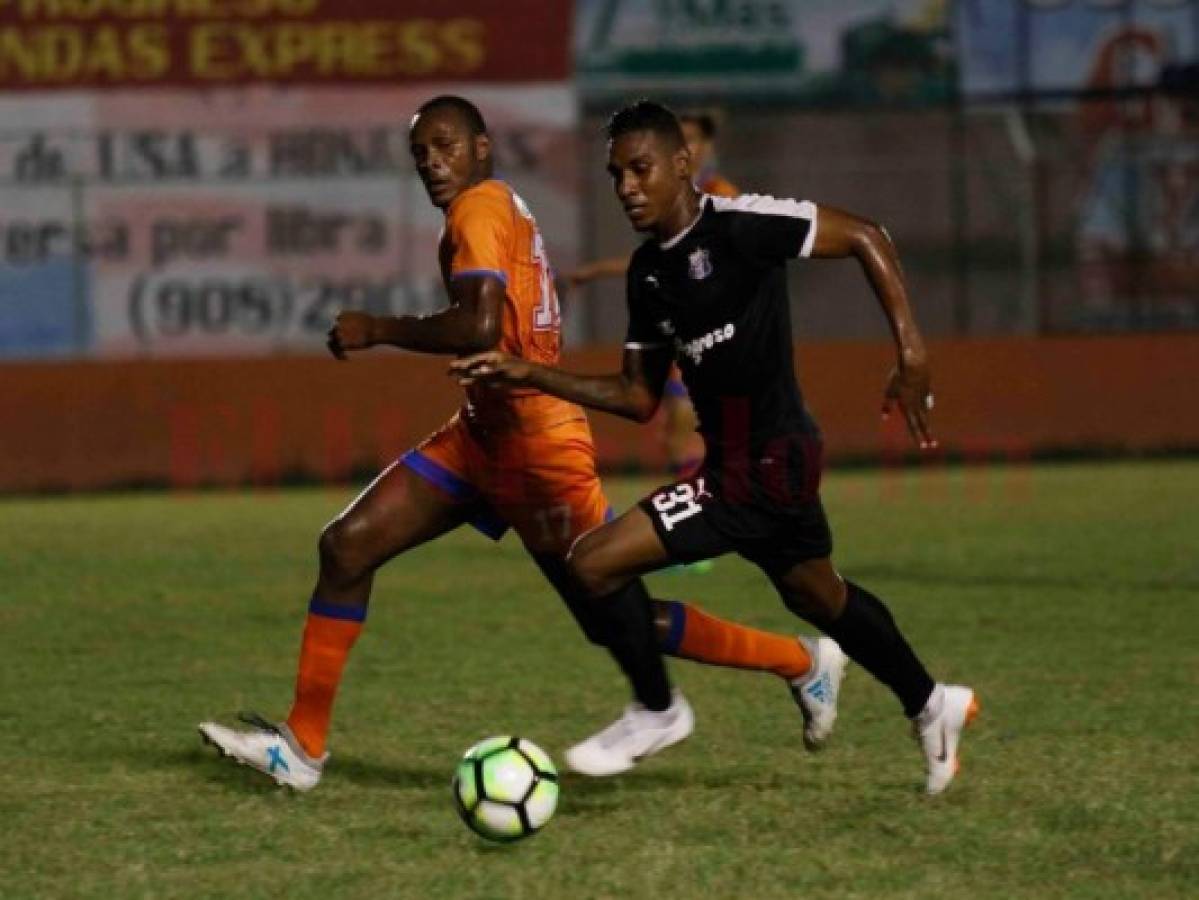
<point x="694" y="522"/>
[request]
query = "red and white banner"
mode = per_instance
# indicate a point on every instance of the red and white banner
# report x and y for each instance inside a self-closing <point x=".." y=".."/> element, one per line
<point x="237" y="220"/>
<point x="69" y="44"/>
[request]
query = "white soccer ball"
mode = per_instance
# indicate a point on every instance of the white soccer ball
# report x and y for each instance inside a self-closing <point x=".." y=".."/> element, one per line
<point x="505" y="788"/>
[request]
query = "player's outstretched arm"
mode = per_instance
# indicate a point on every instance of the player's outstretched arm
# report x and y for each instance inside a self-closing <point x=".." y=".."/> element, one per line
<point x="613" y="267"/>
<point x="840" y="234"/>
<point x="633" y="393"/>
<point x="470" y="324"/>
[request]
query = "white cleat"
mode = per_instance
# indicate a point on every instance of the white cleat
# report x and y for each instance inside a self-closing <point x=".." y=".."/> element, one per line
<point x="638" y="733"/>
<point x="939" y="728"/>
<point x="816" y="692"/>
<point x="271" y="749"/>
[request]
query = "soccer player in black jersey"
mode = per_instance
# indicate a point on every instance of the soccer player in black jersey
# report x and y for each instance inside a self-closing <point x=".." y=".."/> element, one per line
<point x="708" y="289"/>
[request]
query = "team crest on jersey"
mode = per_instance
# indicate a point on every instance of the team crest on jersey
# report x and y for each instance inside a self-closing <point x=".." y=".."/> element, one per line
<point x="666" y="327"/>
<point x="700" y="264"/>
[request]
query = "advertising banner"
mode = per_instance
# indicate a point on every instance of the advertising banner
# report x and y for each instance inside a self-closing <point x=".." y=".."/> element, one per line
<point x="1114" y="92"/>
<point x="72" y="44"/>
<point x="817" y="51"/>
<point x="1008" y="46"/>
<point x="171" y="220"/>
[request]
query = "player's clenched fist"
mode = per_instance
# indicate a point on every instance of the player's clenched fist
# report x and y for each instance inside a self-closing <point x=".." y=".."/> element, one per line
<point x="493" y="366"/>
<point x="351" y="331"/>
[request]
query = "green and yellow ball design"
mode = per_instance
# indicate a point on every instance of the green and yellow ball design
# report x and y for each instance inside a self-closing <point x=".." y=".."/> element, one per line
<point x="505" y="788"/>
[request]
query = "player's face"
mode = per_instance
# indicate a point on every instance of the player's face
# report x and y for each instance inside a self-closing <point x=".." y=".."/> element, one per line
<point x="698" y="146"/>
<point x="448" y="158"/>
<point x="649" y="176"/>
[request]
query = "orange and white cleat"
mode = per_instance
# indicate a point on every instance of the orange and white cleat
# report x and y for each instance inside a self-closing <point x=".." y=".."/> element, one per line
<point x="939" y="729"/>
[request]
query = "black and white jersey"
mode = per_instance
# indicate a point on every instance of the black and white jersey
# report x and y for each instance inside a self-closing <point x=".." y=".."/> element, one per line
<point x="717" y="295"/>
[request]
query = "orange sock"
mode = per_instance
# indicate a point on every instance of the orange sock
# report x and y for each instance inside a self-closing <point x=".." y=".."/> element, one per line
<point x="696" y="635"/>
<point x="329" y="633"/>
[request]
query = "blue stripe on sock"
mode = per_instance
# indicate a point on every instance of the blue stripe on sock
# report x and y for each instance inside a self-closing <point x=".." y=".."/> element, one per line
<point x="318" y="607"/>
<point x="678" y="622"/>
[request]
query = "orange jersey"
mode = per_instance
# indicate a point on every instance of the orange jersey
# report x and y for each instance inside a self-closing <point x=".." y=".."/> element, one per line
<point x="718" y="186"/>
<point x="490" y="231"/>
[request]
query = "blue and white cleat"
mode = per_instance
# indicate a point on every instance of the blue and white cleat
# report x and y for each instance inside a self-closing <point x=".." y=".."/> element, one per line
<point x="270" y="748"/>
<point x="816" y="692"/>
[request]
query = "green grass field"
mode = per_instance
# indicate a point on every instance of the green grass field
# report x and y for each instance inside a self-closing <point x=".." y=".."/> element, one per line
<point x="1067" y="595"/>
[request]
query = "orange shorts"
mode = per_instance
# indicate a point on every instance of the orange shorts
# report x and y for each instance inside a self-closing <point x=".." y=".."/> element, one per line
<point x="543" y="485"/>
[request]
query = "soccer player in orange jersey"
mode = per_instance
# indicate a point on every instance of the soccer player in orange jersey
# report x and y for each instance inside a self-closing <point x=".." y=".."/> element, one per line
<point x="510" y="457"/>
<point x="699" y="133"/>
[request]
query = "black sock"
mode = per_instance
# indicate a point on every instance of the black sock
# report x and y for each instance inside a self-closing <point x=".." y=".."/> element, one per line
<point x="868" y="633"/>
<point x="634" y="644"/>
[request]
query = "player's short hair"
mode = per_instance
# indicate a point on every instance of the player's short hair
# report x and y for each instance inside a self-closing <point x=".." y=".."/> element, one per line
<point x="704" y="121"/>
<point x="467" y="110"/>
<point x="646" y="115"/>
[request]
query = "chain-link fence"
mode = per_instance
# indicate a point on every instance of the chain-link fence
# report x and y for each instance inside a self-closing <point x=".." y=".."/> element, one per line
<point x="1039" y="216"/>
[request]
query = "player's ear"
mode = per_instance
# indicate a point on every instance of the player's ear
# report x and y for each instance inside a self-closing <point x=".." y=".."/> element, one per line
<point x="682" y="162"/>
<point x="482" y="148"/>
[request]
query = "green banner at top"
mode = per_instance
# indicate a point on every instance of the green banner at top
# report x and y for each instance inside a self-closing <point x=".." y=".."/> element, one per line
<point x="818" y="51"/>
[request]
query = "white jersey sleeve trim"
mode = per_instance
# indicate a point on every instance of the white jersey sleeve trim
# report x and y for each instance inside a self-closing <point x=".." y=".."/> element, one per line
<point x="666" y="245"/>
<point x="764" y="204"/>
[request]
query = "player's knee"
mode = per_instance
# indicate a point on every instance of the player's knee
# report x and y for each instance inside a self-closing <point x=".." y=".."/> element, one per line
<point x="814" y="599"/>
<point x="341" y="551"/>
<point x="805" y="606"/>
<point x="588" y="567"/>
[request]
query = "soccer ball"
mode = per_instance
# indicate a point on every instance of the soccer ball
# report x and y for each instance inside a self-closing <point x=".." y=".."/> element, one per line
<point x="505" y="788"/>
